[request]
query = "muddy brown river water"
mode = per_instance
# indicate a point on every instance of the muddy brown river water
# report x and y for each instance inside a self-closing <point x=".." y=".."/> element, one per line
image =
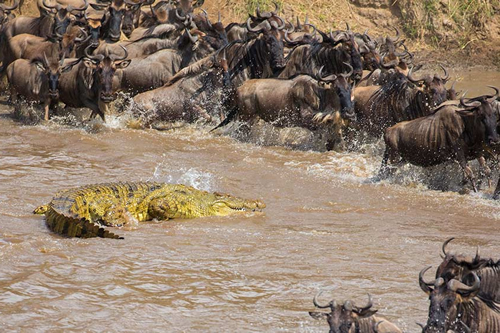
<point x="326" y="227"/>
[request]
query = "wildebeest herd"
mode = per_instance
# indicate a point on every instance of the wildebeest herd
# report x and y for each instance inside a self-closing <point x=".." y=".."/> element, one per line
<point x="464" y="297"/>
<point x="178" y="65"/>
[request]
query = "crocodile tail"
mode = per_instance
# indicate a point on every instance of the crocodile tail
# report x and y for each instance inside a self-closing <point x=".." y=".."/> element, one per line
<point x="41" y="209"/>
<point x="73" y="227"/>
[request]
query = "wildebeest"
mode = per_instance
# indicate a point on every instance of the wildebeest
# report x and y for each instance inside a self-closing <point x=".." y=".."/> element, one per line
<point x="452" y="133"/>
<point x="349" y="318"/>
<point x="460" y="267"/>
<point x="5" y="12"/>
<point x="402" y="98"/>
<point x="36" y="80"/>
<point x="454" y="306"/>
<point x="303" y="101"/>
<point x="331" y="53"/>
<point x="93" y="82"/>
<point x="195" y="92"/>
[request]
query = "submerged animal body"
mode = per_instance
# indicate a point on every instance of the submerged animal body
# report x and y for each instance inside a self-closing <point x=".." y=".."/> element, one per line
<point x="82" y="212"/>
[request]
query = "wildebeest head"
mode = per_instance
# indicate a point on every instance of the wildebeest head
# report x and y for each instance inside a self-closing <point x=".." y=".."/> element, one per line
<point x="339" y="92"/>
<point x="6" y="10"/>
<point x="432" y="86"/>
<point x="104" y="67"/>
<point x="271" y="35"/>
<point x="456" y="266"/>
<point x="132" y="15"/>
<point x="214" y="30"/>
<point x="69" y="40"/>
<point x="368" y="51"/>
<point x="64" y="16"/>
<point x="342" y="317"/>
<point x="114" y="18"/>
<point x="293" y="38"/>
<point x="446" y="298"/>
<point x="94" y="25"/>
<point x="48" y="71"/>
<point x="482" y="108"/>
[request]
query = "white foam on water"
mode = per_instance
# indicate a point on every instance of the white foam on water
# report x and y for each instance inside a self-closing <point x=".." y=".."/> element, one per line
<point x="199" y="179"/>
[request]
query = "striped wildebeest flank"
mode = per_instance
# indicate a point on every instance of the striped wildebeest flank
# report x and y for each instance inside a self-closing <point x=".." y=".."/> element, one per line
<point x="453" y="132"/>
<point x="195" y="92"/>
<point x="331" y="53"/>
<point x="460" y="267"/>
<point x="36" y="80"/>
<point x="349" y="318"/>
<point x="93" y="82"/>
<point x="454" y="306"/>
<point x="400" y="99"/>
<point x="309" y="101"/>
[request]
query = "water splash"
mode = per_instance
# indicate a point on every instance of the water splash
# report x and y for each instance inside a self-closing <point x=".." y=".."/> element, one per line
<point x="189" y="176"/>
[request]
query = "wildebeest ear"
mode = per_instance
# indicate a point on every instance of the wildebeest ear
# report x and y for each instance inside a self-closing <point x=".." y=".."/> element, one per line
<point x="89" y="63"/>
<point x="318" y="315"/>
<point x="123" y="64"/>
<point x="39" y="65"/>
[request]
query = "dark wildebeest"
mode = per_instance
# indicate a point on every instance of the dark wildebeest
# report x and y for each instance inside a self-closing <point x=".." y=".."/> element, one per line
<point x="452" y="133"/>
<point x="331" y="54"/>
<point x="132" y="15"/>
<point x="460" y="267"/>
<point x="454" y="306"/>
<point x="349" y="318"/>
<point x="154" y="70"/>
<point x="403" y="98"/>
<point x="44" y="25"/>
<point x="93" y="82"/>
<point x="113" y="18"/>
<point x="195" y="92"/>
<point x="36" y="80"/>
<point x="5" y="13"/>
<point x="259" y="57"/>
<point x="303" y="101"/>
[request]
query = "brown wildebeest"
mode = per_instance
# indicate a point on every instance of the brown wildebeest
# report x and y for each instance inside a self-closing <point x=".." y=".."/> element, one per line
<point x="36" y="80"/>
<point x="454" y="306"/>
<point x="303" y="101"/>
<point x="459" y="267"/>
<point x="93" y="82"/>
<point x="348" y="318"/>
<point x="452" y="133"/>
<point x="195" y="92"/>
<point x="403" y="98"/>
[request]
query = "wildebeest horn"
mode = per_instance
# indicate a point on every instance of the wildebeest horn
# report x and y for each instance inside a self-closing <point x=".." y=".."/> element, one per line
<point x="298" y="23"/>
<point x="192" y="38"/>
<point x="331" y="304"/>
<point x="218" y="17"/>
<point x="98" y="57"/>
<point x="348" y="74"/>
<point x="421" y="326"/>
<point x="206" y="16"/>
<point x="57" y="34"/>
<point x="472" y="105"/>
<point x="446" y="244"/>
<point x="276" y="26"/>
<point x="446" y="74"/>
<point x="312" y="26"/>
<point x="153" y="10"/>
<point x="48" y="6"/>
<point x="45" y="60"/>
<point x="61" y="62"/>
<point x="85" y="6"/>
<point x="179" y="16"/>
<point x="84" y="34"/>
<point x="425" y="286"/>
<point x="461" y="287"/>
<point x="262" y="15"/>
<point x="125" y="55"/>
<point x="276" y="8"/>
<point x="395" y="38"/>
<point x="491" y="98"/>
<point x="292" y="28"/>
<point x="390" y="64"/>
<point x="329" y="78"/>
<point x="341" y="37"/>
<point x="366" y="307"/>
<point x="348" y="28"/>
<point x="14" y="6"/>
<point x="347" y="305"/>
<point x="307" y="19"/>
<point x="258" y="28"/>
<point x="411" y="78"/>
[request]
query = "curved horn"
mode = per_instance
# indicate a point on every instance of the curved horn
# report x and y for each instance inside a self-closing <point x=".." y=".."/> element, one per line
<point x="348" y="74"/>
<point x="390" y="64"/>
<point x="348" y="28"/>
<point x="85" y="6"/>
<point x="465" y="104"/>
<point x="328" y="78"/>
<point x="57" y="34"/>
<point x="258" y="28"/>
<point x="14" y="6"/>
<point x="421" y="326"/>
<point x="316" y="304"/>
<point x="98" y="57"/>
<point x="460" y="287"/>
<point x="192" y="38"/>
<point x="276" y="9"/>
<point x="48" y="6"/>
<point x="179" y="16"/>
<point x="425" y="286"/>
<point x="206" y="16"/>
<point x="292" y="28"/>
<point x="493" y="96"/>
<point x="283" y="24"/>
<point x="81" y="39"/>
<point x="262" y="15"/>
<point x="125" y="55"/>
<point x="395" y="39"/>
<point x="341" y="37"/>
<point x="367" y="306"/>
<point x="314" y="28"/>
<point x="411" y="78"/>
<point x="446" y="244"/>
<point x="446" y="74"/>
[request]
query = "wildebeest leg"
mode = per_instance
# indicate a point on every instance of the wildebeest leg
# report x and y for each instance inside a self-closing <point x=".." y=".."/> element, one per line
<point x="468" y="172"/>
<point x="384" y="169"/>
<point x="485" y="171"/>
<point x="46" y="107"/>
<point x="496" y="194"/>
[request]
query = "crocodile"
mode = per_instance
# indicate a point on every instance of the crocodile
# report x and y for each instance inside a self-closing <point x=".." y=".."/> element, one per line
<point x="86" y="211"/>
